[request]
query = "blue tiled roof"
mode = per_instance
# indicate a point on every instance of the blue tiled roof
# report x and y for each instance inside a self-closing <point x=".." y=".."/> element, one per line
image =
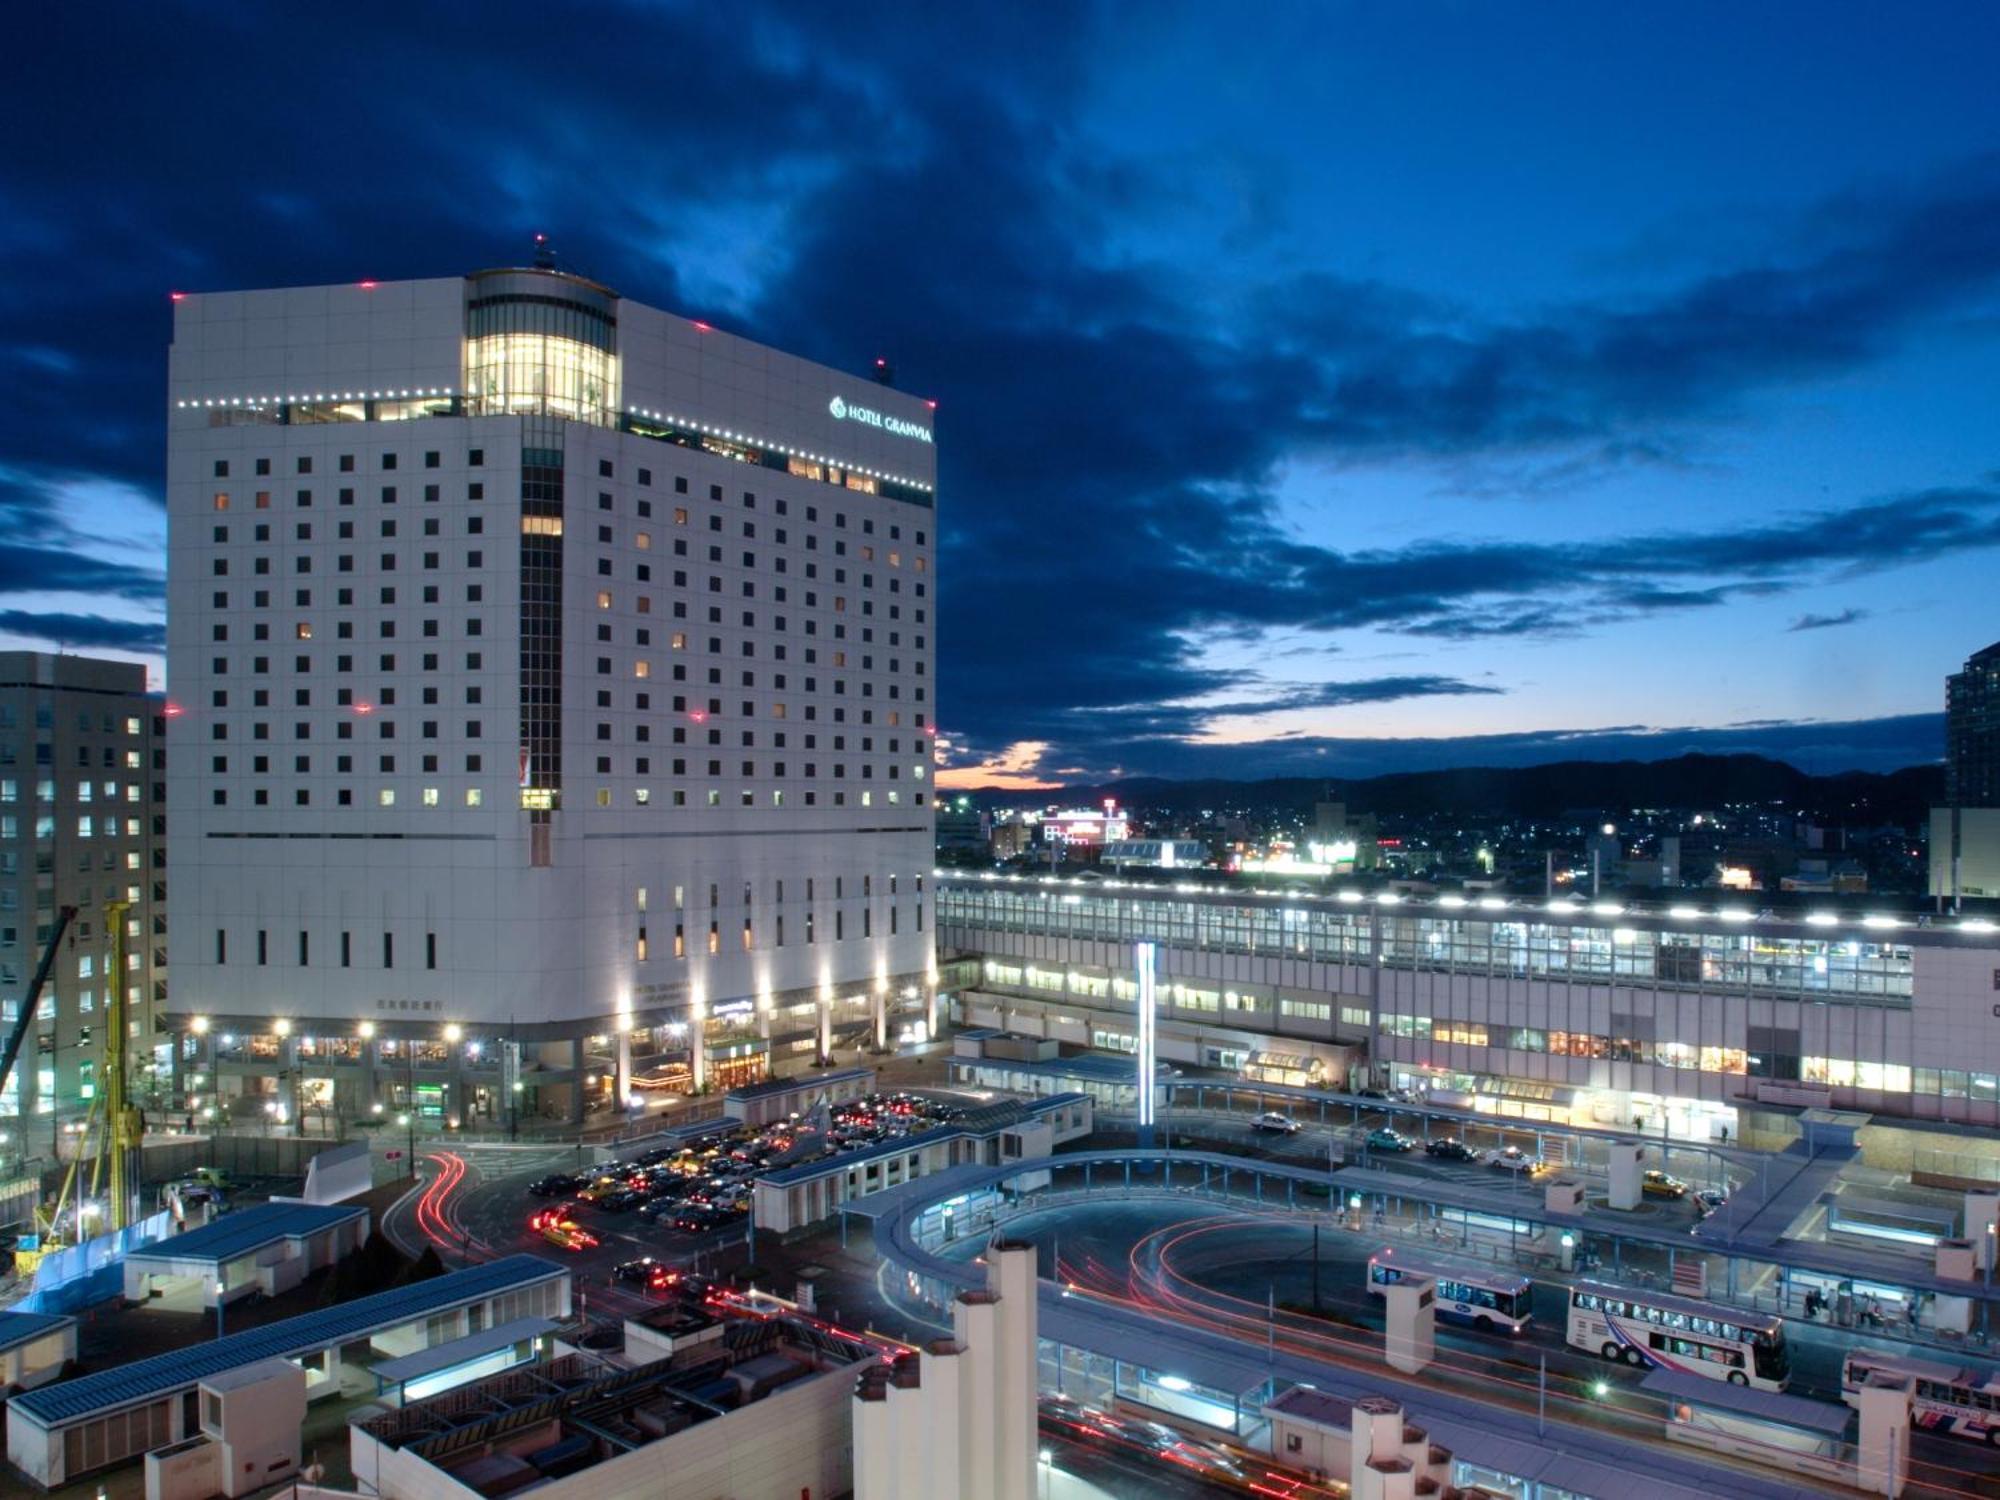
<point x="20" y="1327"/>
<point x="249" y="1229"/>
<point x="149" y="1379"/>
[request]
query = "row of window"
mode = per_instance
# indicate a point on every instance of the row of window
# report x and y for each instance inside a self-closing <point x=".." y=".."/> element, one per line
<point x="1808" y="967"/>
<point x="79" y="791"/>
<point x="86" y="721"/>
<point x="476" y="458"/>
<point x="87" y="826"/>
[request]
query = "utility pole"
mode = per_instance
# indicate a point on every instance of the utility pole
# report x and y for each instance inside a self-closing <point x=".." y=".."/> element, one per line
<point x="1315" y="1266"/>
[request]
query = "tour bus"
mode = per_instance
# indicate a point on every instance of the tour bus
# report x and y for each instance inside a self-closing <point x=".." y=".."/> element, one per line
<point x="1943" y="1398"/>
<point x="1695" y="1338"/>
<point x="1488" y="1298"/>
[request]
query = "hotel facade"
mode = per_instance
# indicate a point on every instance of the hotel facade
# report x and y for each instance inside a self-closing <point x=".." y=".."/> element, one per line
<point x="552" y="678"/>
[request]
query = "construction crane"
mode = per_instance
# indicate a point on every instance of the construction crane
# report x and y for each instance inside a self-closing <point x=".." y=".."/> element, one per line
<point x="111" y="1131"/>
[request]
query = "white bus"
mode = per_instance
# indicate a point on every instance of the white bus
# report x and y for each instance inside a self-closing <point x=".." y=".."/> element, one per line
<point x="1488" y="1298"/>
<point x="1943" y="1398"/>
<point x="1646" y="1328"/>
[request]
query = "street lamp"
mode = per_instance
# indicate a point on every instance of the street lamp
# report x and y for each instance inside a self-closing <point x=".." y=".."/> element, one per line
<point x="409" y="1120"/>
<point x="220" y="1288"/>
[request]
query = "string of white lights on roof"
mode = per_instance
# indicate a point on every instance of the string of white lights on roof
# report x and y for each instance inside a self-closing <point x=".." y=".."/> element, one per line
<point x="258" y="403"/>
<point x="1518" y="905"/>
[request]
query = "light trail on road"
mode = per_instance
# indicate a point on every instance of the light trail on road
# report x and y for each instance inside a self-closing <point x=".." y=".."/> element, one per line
<point x="1149" y="1283"/>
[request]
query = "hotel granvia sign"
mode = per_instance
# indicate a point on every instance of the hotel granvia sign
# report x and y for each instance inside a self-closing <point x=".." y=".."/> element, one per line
<point x="847" y="411"/>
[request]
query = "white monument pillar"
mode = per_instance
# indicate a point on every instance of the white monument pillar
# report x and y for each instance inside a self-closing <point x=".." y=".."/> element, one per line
<point x="1882" y="1453"/>
<point x="1410" y="1339"/>
<point x="1627" y="1174"/>
<point x="976" y="1322"/>
<point x="1144" y="956"/>
<point x="1010" y="1274"/>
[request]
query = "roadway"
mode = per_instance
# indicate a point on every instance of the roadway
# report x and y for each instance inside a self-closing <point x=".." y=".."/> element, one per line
<point x="474" y="1206"/>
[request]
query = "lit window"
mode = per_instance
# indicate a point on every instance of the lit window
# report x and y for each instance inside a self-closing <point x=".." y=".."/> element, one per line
<point x="642" y="795"/>
<point x="303" y="631"/>
<point x="386" y="797"/>
<point x="541" y="526"/>
<point x="430" y="796"/>
<point x="680" y="640"/>
<point x="604" y="598"/>
<point x="604" y="796"/>
<point x="645" y="541"/>
<point x="642" y="669"/>
<point x="473" y="796"/>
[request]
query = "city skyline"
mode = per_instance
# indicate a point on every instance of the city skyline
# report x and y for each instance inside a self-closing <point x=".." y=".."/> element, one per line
<point x="1477" y="389"/>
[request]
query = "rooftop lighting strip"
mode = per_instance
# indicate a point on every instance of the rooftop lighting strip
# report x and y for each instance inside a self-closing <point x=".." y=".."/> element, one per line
<point x="1350" y="896"/>
<point x="256" y="402"/>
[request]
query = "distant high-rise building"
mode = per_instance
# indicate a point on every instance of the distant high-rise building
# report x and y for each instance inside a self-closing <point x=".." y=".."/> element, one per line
<point x="81" y="804"/>
<point x="557" y="678"/>
<point x="1972" y="732"/>
<point x="1965" y="832"/>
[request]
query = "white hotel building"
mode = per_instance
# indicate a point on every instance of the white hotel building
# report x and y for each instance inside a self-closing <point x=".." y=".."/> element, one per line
<point x="552" y="682"/>
<point x="1678" y="1016"/>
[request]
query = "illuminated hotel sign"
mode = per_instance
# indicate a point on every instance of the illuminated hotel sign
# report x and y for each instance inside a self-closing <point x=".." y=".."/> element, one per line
<point x="844" y="411"/>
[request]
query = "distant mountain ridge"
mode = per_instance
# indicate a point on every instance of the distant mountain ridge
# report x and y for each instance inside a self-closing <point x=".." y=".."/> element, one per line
<point x="1544" y="791"/>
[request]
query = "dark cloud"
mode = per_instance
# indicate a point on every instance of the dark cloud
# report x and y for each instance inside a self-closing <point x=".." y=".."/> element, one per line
<point x="25" y="568"/>
<point x="1849" y="616"/>
<point x="1344" y="694"/>
<point x="850" y="182"/>
<point x="85" y="632"/>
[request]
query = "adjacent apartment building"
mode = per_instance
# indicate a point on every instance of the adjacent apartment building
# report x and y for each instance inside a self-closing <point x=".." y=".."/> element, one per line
<point x="82" y="824"/>
<point x="555" y="681"/>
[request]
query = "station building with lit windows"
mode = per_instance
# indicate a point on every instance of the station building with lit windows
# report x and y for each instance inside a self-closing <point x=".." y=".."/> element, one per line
<point x="553" y="677"/>
<point x="1677" y="1018"/>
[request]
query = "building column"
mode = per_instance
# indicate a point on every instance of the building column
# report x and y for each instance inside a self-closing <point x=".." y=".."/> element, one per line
<point x="878" y="1015"/>
<point x="698" y="1048"/>
<point x="825" y="1029"/>
<point x="576" y="1081"/>
<point x="621" y="1085"/>
<point x="931" y="1010"/>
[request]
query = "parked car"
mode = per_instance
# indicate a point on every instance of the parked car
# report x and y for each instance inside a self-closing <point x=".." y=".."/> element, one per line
<point x="1384" y="1139"/>
<point x="555" y="1185"/>
<point x="1450" y="1148"/>
<point x="1513" y="1159"/>
<point x="1274" y="1123"/>
<point x="1657" y="1184"/>
<point x="1708" y="1200"/>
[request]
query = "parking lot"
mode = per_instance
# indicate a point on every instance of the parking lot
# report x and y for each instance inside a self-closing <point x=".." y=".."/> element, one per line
<point x="1404" y="1142"/>
<point x="678" y="1201"/>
